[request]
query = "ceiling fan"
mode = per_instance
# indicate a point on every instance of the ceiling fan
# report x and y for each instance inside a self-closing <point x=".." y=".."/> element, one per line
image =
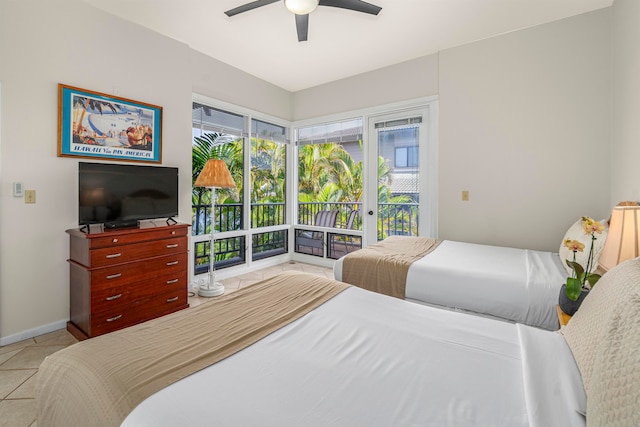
<point x="302" y="9"/>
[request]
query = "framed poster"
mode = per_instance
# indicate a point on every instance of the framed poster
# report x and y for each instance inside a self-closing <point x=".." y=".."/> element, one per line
<point x="96" y="125"/>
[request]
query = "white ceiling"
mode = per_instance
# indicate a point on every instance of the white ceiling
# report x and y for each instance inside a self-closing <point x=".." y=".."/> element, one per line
<point x="342" y="43"/>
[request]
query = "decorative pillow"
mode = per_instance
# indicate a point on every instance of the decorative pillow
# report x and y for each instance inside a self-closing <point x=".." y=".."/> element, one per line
<point x="589" y="332"/>
<point x="615" y="382"/>
<point x="576" y="232"/>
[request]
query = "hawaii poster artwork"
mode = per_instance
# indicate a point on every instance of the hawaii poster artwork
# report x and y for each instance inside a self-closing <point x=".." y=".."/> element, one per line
<point x="92" y="124"/>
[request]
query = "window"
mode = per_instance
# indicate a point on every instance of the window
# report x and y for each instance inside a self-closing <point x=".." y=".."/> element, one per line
<point x="268" y="173"/>
<point x="329" y="182"/>
<point x="227" y="135"/>
<point x="406" y="157"/>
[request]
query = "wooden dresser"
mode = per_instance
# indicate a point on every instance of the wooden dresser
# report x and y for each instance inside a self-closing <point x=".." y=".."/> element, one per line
<point x="122" y="277"/>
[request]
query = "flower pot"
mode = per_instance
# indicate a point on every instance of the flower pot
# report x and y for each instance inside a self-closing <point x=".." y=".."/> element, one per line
<point x="567" y="305"/>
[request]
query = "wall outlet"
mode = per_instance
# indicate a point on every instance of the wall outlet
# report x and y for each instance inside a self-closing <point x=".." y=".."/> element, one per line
<point x="465" y="196"/>
<point x="29" y="196"/>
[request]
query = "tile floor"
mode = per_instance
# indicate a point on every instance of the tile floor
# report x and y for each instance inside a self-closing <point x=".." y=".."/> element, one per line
<point x="19" y="361"/>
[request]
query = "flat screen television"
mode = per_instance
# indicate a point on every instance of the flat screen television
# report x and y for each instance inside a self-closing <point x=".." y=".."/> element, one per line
<point x="121" y="195"/>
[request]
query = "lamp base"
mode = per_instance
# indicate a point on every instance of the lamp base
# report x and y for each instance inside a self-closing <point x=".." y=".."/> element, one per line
<point x="211" y="290"/>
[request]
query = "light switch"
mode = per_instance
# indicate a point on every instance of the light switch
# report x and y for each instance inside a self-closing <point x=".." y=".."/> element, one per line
<point x="465" y="196"/>
<point x="18" y="189"/>
<point x="29" y="196"/>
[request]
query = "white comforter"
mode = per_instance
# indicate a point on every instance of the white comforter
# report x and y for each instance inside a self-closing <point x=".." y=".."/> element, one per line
<point x="518" y="285"/>
<point x="364" y="359"/>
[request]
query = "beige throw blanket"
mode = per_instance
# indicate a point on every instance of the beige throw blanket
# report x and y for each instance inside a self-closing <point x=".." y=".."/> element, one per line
<point x="383" y="267"/>
<point x="98" y="382"/>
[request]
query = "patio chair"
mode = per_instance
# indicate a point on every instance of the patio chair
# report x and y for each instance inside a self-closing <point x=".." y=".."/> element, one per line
<point x="326" y="219"/>
<point x="315" y="239"/>
<point x="353" y="215"/>
<point x="352" y="219"/>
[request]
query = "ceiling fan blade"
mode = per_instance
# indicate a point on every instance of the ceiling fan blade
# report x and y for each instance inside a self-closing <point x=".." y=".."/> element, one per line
<point x="302" y="25"/>
<point x="357" y="5"/>
<point x="249" y="6"/>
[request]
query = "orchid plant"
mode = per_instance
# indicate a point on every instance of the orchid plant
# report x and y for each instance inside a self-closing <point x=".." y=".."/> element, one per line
<point x="578" y="280"/>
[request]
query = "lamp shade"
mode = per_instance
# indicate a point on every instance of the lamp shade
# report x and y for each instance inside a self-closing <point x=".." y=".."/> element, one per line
<point x="622" y="239"/>
<point x="301" y="7"/>
<point x="215" y="174"/>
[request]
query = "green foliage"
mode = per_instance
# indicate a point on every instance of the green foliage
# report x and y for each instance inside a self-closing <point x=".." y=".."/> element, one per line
<point x="216" y="146"/>
<point x="268" y="171"/>
<point x="575" y="284"/>
<point x="328" y="173"/>
<point x="581" y="276"/>
<point x="329" y="163"/>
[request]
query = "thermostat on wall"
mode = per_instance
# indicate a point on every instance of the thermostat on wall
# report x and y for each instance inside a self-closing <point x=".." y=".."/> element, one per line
<point x="18" y="189"/>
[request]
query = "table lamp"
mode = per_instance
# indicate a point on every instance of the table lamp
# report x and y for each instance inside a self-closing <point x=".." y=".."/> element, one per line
<point x="622" y="239"/>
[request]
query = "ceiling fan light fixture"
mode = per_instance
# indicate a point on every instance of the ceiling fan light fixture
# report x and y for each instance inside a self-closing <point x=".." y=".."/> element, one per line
<point x="301" y="7"/>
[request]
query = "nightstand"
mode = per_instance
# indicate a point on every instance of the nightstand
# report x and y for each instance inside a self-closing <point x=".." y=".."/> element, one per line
<point x="563" y="317"/>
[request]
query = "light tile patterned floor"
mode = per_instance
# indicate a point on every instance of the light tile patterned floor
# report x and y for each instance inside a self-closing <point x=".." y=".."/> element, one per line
<point x="19" y="362"/>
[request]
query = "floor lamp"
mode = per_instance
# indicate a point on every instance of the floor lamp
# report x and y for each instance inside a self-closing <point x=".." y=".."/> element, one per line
<point x="215" y="174"/>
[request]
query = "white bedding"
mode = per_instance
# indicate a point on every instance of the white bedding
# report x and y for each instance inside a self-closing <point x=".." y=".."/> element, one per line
<point x="518" y="285"/>
<point x="364" y="359"/>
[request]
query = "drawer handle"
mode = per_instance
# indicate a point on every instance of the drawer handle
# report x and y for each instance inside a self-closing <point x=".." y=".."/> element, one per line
<point x="174" y="299"/>
<point x="172" y="263"/>
<point x="175" y="245"/>
<point x="115" y="240"/>
<point x="171" y="282"/>
<point x="113" y="256"/>
<point x="114" y="318"/>
<point x="111" y="298"/>
<point x="114" y="276"/>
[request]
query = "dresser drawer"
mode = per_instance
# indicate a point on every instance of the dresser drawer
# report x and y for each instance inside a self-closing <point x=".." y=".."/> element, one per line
<point x="136" y="237"/>
<point x="137" y="312"/>
<point x="108" y="297"/>
<point x="171" y="265"/>
<point x="136" y="251"/>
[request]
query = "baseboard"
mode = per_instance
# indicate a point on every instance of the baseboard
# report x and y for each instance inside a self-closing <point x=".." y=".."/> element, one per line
<point x="40" y="330"/>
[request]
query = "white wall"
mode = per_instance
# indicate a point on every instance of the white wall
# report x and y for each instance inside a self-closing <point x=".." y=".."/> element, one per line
<point x="222" y="82"/>
<point x="625" y="125"/>
<point x="408" y="80"/>
<point x="43" y="43"/>
<point x="524" y="127"/>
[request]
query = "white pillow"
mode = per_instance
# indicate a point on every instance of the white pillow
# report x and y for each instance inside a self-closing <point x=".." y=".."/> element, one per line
<point x="576" y="232"/>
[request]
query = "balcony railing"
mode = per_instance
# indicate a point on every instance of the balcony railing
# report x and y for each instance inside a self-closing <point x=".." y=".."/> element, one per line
<point x="393" y="219"/>
<point x="229" y="216"/>
<point x="307" y="212"/>
<point x="397" y="219"/>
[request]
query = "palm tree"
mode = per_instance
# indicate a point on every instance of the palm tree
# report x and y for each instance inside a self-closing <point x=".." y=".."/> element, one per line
<point x="268" y="181"/>
<point x="268" y="159"/>
<point x="80" y="106"/>
<point x="217" y="146"/>
<point x="319" y="164"/>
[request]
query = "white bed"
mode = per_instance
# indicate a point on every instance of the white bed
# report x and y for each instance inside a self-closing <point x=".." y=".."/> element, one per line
<point x="364" y="359"/>
<point x="511" y="284"/>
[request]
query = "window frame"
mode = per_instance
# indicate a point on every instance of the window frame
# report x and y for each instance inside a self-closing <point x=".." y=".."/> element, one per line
<point x="246" y="232"/>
